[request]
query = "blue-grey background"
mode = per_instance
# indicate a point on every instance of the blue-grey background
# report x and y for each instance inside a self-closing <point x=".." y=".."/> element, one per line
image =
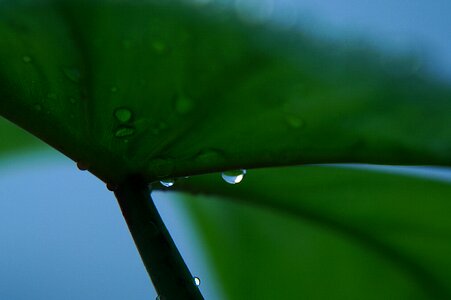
<point x="72" y="243"/>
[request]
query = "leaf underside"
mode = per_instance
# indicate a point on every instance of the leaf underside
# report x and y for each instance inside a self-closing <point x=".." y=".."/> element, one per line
<point x="169" y="89"/>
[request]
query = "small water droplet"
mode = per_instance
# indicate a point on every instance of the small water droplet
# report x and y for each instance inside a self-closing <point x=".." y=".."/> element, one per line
<point x="114" y="89"/>
<point x="167" y="182"/>
<point x="183" y="105"/>
<point x="37" y="106"/>
<point x="73" y="74"/>
<point x="82" y="166"/>
<point x="111" y="186"/>
<point x="233" y="177"/>
<point x="26" y="59"/>
<point x="159" y="47"/>
<point x="123" y="114"/>
<point x="124" y="131"/>
<point x="197" y="281"/>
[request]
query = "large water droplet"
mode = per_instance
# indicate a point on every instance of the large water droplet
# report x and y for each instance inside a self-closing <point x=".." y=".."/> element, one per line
<point x="124" y="131"/>
<point x="26" y="59"/>
<point x="183" y="105"/>
<point x="233" y="177"/>
<point x="197" y="281"/>
<point x="73" y="74"/>
<point x="167" y="182"/>
<point x="123" y="114"/>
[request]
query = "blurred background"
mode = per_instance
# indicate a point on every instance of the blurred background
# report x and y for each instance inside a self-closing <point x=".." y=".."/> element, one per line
<point x="72" y="243"/>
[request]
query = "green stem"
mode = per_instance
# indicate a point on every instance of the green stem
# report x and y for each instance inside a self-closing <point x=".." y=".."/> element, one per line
<point x="165" y="265"/>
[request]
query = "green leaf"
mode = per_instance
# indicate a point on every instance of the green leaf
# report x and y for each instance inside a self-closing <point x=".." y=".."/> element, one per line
<point x="166" y="88"/>
<point x="326" y="233"/>
<point x="14" y="139"/>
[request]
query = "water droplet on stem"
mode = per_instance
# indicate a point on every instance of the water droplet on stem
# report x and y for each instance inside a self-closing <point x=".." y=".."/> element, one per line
<point x="197" y="281"/>
<point x="167" y="182"/>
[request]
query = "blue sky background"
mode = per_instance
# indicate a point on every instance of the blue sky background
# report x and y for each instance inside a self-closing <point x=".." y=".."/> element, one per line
<point x="70" y="242"/>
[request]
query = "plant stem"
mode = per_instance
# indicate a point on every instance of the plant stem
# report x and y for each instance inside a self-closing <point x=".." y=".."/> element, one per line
<point x="167" y="270"/>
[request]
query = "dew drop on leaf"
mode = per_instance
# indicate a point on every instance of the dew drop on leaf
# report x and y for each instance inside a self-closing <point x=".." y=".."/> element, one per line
<point x="82" y="166"/>
<point x="73" y="74"/>
<point x="124" y="131"/>
<point x="167" y="182"/>
<point x="111" y="186"/>
<point x="123" y="114"/>
<point x="233" y="177"/>
<point x="197" y="281"/>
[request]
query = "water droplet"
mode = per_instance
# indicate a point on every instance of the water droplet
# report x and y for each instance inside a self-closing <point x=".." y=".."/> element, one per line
<point x="197" y="281"/>
<point x="294" y="121"/>
<point x="167" y="182"/>
<point x="82" y="166"/>
<point x="123" y="114"/>
<point x="111" y="186"/>
<point x="37" y="106"/>
<point x="159" y="47"/>
<point x="26" y="59"/>
<point x="113" y="89"/>
<point x="234" y="177"/>
<point x="124" y="131"/>
<point x="183" y="105"/>
<point x="73" y="74"/>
